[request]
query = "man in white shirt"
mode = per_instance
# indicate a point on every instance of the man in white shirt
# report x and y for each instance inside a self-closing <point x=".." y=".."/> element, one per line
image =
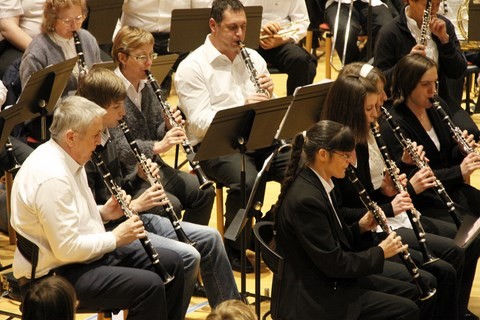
<point x="381" y="15"/>
<point x="212" y="78"/>
<point x="53" y="208"/>
<point x="284" y="25"/>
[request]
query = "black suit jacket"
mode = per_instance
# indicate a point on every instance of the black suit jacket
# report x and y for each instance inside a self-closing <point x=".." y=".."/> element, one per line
<point x="321" y="265"/>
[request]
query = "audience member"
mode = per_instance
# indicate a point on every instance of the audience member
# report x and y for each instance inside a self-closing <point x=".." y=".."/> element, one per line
<point x="232" y="310"/>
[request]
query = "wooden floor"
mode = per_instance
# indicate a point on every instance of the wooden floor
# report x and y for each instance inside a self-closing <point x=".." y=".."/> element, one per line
<point x="199" y="308"/>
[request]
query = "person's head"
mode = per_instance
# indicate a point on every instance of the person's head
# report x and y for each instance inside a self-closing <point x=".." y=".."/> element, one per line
<point x="52" y="298"/>
<point x="63" y="16"/>
<point x="132" y="51"/>
<point x="77" y="126"/>
<point x="414" y="80"/>
<point x="232" y="310"/>
<point x="106" y="89"/>
<point x="351" y="100"/>
<point x="228" y="24"/>
<point x="371" y="73"/>
<point x="417" y="7"/>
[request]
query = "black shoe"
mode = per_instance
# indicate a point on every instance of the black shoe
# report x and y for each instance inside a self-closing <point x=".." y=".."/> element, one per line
<point x="470" y="316"/>
<point x="234" y="258"/>
<point x="199" y="290"/>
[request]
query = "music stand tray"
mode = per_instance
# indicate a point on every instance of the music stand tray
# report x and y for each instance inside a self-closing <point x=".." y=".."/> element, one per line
<point x="221" y="137"/>
<point x="160" y="66"/>
<point x="192" y="24"/>
<point x="39" y="96"/>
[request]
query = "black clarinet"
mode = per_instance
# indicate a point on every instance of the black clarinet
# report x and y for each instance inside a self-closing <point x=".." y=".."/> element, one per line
<point x="425" y="291"/>
<point x="454" y="130"/>
<point x="82" y="65"/>
<point x="154" y="180"/>
<point x="12" y="159"/>
<point x="205" y="183"/>
<point x="407" y="145"/>
<point x="116" y="192"/>
<point x="413" y="215"/>
<point x="251" y="69"/>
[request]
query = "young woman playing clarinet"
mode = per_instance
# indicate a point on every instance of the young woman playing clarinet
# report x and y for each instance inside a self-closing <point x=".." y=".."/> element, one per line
<point x="327" y="274"/>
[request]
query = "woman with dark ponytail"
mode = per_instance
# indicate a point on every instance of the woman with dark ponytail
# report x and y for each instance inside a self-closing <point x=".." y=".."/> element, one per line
<point x="324" y="275"/>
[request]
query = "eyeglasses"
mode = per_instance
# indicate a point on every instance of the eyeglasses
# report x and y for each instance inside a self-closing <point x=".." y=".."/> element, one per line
<point x="346" y="156"/>
<point x="76" y="20"/>
<point x="145" y="57"/>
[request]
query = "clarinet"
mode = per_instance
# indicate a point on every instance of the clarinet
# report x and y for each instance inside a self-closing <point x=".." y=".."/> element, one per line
<point x="82" y="66"/>
<point x="425" y="291"/>
<point x="116" y="192"/>
<point x="413" y="215"/>
<point x="205" y="183"/>
<point x="11" y="157"/>
<point x="407" y="145"/>
<point x="142" y="161"/>
<point x="454" y="130"/>
<point x="426" y="20"/>
<point x="251" y="69"/>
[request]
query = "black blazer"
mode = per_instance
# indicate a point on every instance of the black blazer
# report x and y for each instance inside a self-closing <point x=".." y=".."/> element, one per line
<point x="321" y="265"/>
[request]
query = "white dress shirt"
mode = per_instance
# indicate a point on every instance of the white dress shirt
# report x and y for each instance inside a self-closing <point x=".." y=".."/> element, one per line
<point x="207" y="81"/>
<point x="134" y="95"/>
<point x="290" y="14"/>
<point x="53" y="207"/>
<point x="375" y="3"/>
<point x="30" y="13"/>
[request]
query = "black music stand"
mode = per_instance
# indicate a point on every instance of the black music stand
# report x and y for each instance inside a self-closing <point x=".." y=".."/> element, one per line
<point x="38" y="98"/>
<point x="240" y="129"/>
<point x="102" y="19"/>
<point x="192" y="24"/>
<point x="303" y="112"/>
<point x="160" y="66"/>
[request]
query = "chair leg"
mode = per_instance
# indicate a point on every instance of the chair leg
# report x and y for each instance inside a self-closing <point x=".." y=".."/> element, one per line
<point x="8" y="191"/>
<point x="309" y="41"/>
<point x="328" y="53"/>
<point x="220" y="214"/>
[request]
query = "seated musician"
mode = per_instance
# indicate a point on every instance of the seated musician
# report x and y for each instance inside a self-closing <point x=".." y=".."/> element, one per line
<point x="106" y="89"/>
<point x="53" y="208"/>
<point x="214" y="77"/>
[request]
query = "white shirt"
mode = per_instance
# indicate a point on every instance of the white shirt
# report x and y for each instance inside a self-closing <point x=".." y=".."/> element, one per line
<point x="432" y="50"/>
<point x="132" y="93"/>
<point x="53" y="207"/>
<point x="207" y="81"/>
<point x="290" y="14"/>
<point x="328" y="186"/>
<point x="374" y="2"/>
<point x="3" y="93"/>
<point x="154" y="15"/>
<point x="29" y="11"/>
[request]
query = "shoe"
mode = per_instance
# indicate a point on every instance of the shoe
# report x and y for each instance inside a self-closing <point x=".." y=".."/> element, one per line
<point x="234" y="258"/>
<point x="199" y="290"/>
<point x="470" y="316"/>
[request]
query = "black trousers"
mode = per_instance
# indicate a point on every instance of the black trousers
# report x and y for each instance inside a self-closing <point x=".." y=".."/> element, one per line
<point x="292" y="59"/>
<point x="124" y="279"/>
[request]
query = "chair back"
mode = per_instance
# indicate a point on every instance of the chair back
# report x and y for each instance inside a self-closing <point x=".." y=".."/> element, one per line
<point x="264" y="234"/>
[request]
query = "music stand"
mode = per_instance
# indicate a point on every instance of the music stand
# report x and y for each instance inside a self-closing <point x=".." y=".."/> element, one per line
<point x="239" y="129"/>
<point x="474" y="21"/>
<point x="160" y="66"/>
<point x="192" y="24"/>
<point x="38" y="98"/>
<point x="102" y="19"/>
<point x="303" y="112"/>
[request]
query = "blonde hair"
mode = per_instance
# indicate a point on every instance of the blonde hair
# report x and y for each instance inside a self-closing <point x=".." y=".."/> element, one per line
<point x="52" y="7"/>
<point x="129" y="38"/>
<point x="232" y="310"/>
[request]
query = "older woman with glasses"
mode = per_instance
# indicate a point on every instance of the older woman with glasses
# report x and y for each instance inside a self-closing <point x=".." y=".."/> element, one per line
<point x="61" y="18"/>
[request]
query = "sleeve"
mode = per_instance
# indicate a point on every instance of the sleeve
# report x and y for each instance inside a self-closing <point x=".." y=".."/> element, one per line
<point x="3" y="93"/>
<point x="10" y="8"/>
<point x="60" y="217"/>
<point x="312" y="226"/>
<point x="194" y="97"/>
<point x="31" y="63"/>
<point x="450" y="55"/>
<point x="384" y="54"/>
<point x="299" y="17"/>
